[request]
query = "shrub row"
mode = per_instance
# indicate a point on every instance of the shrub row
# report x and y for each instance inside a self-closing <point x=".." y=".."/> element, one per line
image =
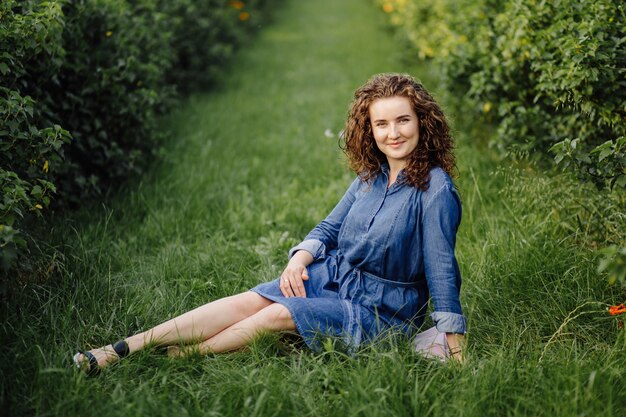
<point x="83" y="82"/>
<point x="551" y="75"/>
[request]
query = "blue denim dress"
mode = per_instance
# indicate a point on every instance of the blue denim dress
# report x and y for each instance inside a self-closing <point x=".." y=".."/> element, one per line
<point x="378" y="258"/>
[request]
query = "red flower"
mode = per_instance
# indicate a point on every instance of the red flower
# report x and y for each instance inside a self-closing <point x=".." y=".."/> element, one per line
<point x="617" y="310"/>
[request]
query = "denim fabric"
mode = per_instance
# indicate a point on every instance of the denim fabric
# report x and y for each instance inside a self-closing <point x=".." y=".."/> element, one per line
<point x="385" y="251"/>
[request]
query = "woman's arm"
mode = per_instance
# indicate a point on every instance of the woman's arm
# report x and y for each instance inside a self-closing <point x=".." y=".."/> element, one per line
<point x="441" y="219"/>
<point x="315" y="245"/>
<point x="456" y="344"/>
<point x="324" y="236"/>
<point x="291" y="280"/>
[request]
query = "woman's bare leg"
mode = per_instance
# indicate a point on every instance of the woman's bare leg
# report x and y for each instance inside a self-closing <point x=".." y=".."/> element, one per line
<point x="274" y="317"/>
<point x="193" y="326"/>
<point x="201" y="323"/>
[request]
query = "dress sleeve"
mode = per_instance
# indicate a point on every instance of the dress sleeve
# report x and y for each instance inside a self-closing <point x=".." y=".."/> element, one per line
<point x="324" y="236"/>
<point x="441" y="219"/>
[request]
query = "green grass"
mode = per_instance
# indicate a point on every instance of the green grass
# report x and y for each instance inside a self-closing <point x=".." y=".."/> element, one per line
<point x="247" y="173"/>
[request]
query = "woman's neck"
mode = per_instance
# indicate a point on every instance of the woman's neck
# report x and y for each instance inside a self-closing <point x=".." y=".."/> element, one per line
<point x="394" y="171"/>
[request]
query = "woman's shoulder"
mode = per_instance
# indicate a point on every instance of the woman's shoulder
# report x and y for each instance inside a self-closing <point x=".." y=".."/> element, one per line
<point x="439" y="179"/>
<point x="440" y="188"/>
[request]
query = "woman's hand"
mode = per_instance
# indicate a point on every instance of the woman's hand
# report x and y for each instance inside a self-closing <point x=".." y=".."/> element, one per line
<point x="456" y="344"/>
<point x="292" y="278"/>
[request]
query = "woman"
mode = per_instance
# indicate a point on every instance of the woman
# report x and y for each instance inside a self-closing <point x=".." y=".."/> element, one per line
<point x="367" y="268"/>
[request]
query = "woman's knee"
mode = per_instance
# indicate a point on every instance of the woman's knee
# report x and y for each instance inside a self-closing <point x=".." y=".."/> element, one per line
<point x="248" y="302"/>
<point x="276" y="317"/>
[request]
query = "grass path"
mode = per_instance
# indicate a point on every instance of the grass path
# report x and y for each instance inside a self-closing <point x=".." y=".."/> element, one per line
<point x="250" y="169"/>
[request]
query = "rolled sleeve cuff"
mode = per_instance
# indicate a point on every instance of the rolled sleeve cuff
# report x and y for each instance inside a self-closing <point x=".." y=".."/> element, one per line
<point x="315" y="247"/>
<point x="449" y="322"/>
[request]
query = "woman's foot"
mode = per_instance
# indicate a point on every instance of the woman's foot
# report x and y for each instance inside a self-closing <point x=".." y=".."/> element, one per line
<point x="92" y="361"/>
<point x="176" y="351"/>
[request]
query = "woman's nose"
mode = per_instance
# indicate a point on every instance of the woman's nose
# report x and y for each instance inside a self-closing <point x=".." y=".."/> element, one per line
<point x="394" y="132"/>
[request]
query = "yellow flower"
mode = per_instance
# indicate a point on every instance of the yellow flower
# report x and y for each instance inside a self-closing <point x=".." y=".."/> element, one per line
<point x="486" y="107"/>
<point x="428" y="51"/>
<point x="45" y="166"/>
<point x="108" y="34"/>
<point x="243" y="16"/>
<point x="388" y="7"/>
<point x="38" y="206"/>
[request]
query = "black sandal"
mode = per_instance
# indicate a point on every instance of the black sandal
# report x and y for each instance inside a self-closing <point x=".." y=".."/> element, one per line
<point x="120" y="348"/>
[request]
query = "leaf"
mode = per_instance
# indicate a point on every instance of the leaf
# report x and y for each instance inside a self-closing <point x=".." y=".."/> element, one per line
<point x="604" y="153"/>
<point x="557" y="147"/>
<point x="36" y="191"/>
<point x="559" y="158"/>
<point x="621" y="181"/>
<point x="583" y="158"/>
<point x="606" y="145"/>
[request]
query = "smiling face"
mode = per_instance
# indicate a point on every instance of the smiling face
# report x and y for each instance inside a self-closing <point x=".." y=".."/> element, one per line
<point x="395" y="128"/>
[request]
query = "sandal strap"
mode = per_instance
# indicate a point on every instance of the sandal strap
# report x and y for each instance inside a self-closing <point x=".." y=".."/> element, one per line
<point x="121" y="348"/>
<point x="94" y="368"/>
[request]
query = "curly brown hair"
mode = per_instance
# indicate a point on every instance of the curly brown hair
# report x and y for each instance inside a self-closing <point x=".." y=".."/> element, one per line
<point x="435" y="146"/>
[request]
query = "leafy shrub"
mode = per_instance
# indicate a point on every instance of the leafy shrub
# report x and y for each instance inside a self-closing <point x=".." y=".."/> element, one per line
<point x="544" y="72"/>
<point x="205" y="35"/>
<point x="614" y="264"/>
<point x="109" y="91"/>
<point x="550" y="75"/>
<point x="606" y="163"/>
<point x="31" y="148"/>
<point x="83" y="83"/>
<point x="432" y="26"/>
<point x="558" y="77"/>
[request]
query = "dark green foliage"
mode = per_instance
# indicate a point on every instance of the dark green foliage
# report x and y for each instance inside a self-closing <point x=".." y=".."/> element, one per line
<point x="109" y="90"/>
<point x="551" y="72"/>
<point x="543" y="71"/>
<point x="31" y="145"/>
<point x="205" y="34"/>
<point x="98" y="72"/>
<point x="614" y="264"/>
<point x="550" y="75"/>
<point x="604" y="164"/>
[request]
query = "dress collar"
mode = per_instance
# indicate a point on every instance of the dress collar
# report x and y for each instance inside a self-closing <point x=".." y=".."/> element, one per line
<point x="399" y="182"/>
<point x="384" y="168"/>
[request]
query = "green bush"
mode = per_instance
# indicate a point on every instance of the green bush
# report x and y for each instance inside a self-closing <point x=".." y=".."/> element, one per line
<point x="614" y="264"/>
<point x="83" y="84"/>
<point x="109" y="91"/>
<point x="544" y="72"/>
<point x="31" y="147"/>
<point x="555" y="72"/>
<point x="205" y="34"/>
<point x="550" y="75"/>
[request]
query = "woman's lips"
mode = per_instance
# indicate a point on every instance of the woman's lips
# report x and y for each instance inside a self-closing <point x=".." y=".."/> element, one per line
<point x="396" y="144"/>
